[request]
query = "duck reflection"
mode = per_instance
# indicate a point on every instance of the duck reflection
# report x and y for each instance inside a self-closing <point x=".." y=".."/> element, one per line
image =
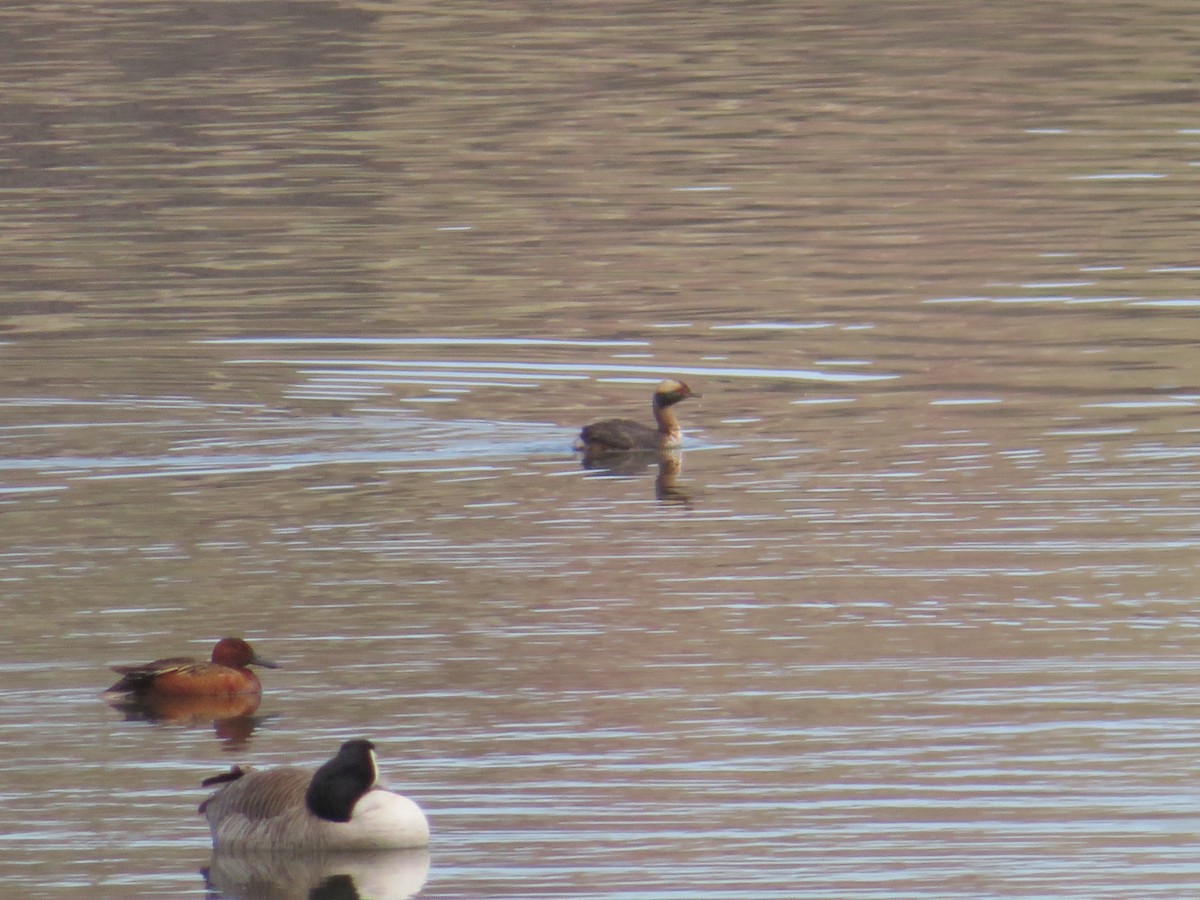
<point x="389" y="875"/>
<point x="232" y="718"/>
<point x="631" y="463"/>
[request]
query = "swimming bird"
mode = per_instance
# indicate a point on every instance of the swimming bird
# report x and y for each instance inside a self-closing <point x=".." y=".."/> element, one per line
<point x="340" y="806"/>
<point x="625" y="435"/>
<point x="181" y="676"/>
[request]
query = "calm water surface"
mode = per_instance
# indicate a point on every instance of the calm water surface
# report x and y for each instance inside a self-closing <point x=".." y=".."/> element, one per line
<point x="304" y="302"/>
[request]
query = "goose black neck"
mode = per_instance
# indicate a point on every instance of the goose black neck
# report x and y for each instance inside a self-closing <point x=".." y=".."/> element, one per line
<point x="339" y="784"/>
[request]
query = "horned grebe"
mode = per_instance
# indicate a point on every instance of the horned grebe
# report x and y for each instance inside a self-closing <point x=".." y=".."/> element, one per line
<point x="624" y="435"/>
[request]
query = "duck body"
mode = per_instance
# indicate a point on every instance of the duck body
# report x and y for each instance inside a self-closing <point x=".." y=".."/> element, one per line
<point x="224" y="675"/>
<point x="339" y="806"/>
<point x="628" y="435"/>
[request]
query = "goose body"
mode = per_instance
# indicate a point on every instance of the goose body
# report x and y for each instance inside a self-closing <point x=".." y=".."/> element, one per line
<point x="225" y="674"/>
<point x="627" y="435"/>
<point x="340" y="806"/>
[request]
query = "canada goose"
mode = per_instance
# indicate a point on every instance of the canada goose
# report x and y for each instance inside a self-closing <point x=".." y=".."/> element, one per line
<point x="340" y="806"/>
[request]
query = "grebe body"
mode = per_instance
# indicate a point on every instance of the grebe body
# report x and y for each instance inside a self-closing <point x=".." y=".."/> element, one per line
<point x="626" y="435"/>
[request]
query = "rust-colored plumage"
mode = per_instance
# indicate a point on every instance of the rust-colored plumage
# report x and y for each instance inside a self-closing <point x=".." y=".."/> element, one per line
<point x="226" y="674"/>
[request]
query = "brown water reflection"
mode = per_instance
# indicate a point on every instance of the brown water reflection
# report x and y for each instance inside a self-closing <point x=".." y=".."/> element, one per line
<point x="232" y="719"/>
<point x="304" y="304"/>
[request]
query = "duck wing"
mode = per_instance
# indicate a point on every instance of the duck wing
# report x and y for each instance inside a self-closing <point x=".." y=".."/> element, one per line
<point x="139" y="677"/>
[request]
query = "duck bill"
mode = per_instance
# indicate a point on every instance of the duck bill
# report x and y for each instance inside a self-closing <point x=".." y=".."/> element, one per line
<point x="257" y="660"/>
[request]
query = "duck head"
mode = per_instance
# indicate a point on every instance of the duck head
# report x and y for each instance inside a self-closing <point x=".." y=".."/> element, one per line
<point x="237" y="654"/>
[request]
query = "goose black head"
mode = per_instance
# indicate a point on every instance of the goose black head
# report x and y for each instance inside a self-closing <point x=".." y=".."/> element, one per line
<point x="340" y="782"/>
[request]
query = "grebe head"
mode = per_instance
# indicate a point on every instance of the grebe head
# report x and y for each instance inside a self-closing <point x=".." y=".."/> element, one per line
<point x="669" y="392"/>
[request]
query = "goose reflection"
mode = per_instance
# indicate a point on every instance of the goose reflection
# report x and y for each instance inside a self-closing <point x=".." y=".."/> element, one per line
<point x="669" y="463"/>
<point x="232" y="718"/>
<point x="386" y="875"/>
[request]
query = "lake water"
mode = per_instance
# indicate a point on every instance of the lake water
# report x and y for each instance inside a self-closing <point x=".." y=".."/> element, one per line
<point x="304" y="303"/>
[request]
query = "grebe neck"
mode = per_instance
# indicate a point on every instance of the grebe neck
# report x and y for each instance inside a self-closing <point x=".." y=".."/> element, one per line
<point x="669" y="433"/>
